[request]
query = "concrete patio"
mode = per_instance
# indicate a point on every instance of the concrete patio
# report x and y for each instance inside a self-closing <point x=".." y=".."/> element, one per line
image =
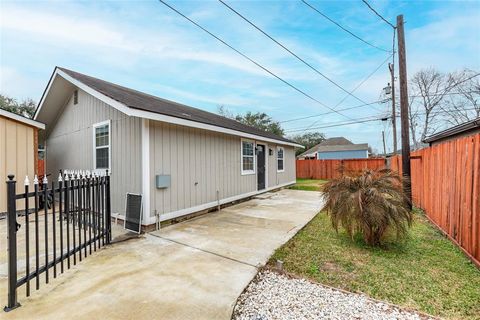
<point x="191" y="270"/>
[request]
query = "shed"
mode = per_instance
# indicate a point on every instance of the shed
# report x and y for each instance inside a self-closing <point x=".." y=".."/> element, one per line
<point x="18" y="150"/>
<point x="462" y="130"/>
<point x="181" y="159"/>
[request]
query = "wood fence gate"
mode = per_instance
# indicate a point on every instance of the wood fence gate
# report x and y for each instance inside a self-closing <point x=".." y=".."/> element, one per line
<point x="65" y="230"/>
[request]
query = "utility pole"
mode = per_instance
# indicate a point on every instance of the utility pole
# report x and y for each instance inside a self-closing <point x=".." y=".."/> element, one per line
<point x="384" y="147"/>
<point x="402" y="66"/>
<point x="391" y="66"/>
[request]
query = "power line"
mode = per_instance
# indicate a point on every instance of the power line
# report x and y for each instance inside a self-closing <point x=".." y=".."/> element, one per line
<point x="340" y="124"/>
<point x="358" y="86"/>
<point x="343" y="28"/>
<point x="290" y="51"/>
<point x="371" y="119"/>
<point x="378" y="14"/>
<point x="440" y="112"/>
<point x="443" y="94"/>
<point x="341" y="121"/>
<point x="325" y="113"/>
<point x="368" y="104"/>
<point x="253" y="61"/>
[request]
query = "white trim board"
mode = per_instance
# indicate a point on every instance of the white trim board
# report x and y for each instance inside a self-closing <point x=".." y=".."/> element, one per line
<point x="16" y="117"/>
<point x="213" y="204"/>
<point x="146" y="178"/>
<point x="152" y="115"/>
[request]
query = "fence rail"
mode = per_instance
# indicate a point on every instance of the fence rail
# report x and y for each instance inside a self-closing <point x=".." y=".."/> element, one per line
<point x="331" y="169"/>
<point x="446" y="184"/>
<point x="75" y="215"/>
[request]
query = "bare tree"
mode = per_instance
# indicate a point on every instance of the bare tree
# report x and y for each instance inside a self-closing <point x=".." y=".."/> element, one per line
<point x="440" y="100"/>
<point x="428" y="89"/>
<point x="463" y="104"/>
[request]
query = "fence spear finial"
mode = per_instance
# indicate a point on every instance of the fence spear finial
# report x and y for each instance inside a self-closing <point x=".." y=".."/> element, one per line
<point x="35" y="180"/>
<point x="27" y="182"/>
<point x="45" y="180"/>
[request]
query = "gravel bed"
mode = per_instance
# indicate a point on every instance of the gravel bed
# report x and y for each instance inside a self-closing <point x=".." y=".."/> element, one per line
<point x="276" y="296"/>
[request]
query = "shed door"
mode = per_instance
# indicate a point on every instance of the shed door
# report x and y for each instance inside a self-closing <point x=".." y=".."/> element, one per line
<point x="260" y="167"/>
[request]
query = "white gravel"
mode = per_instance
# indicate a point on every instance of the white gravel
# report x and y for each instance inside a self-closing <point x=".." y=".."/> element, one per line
<point x="275" y="296"/>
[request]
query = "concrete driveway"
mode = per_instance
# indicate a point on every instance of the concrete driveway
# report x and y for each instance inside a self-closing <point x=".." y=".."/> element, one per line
<point x="191" y="270"/>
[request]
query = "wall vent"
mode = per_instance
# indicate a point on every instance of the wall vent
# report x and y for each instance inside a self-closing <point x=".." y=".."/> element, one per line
<point x="75" y="97"/>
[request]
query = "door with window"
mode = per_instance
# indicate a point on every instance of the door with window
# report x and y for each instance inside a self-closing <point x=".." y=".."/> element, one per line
<point x="261" y="166"/>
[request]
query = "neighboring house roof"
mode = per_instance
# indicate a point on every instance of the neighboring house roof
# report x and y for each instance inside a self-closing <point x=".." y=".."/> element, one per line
<point x="136" y="103"/>
<point x="461" y="129"/>
<point x="335" y="144"/>
<point x="352" y="147"/>
<point x="22" y="119"/>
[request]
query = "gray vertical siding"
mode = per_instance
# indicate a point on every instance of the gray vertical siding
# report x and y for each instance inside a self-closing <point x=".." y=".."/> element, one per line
<point x="200" y="162"/>
<point x="70" y="144"/>
<point x="278" y="178"/>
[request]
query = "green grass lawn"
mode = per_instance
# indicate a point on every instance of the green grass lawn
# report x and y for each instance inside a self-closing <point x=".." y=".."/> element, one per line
<point x="308" y="184"/>
<point x="425" y="271"/>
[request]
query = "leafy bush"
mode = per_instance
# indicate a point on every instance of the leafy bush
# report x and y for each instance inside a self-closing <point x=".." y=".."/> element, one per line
<point x="370" y="203"/>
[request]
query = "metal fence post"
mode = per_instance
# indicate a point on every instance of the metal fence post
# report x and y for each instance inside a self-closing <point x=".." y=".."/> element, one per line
<point x="12" y="244"/>
<point x="108" y="216"/>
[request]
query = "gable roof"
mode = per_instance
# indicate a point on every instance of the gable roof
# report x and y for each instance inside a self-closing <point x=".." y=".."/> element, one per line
<point x="22" y="119"/>
<point x="136" y="103"/>
<point x="335" y="144"/>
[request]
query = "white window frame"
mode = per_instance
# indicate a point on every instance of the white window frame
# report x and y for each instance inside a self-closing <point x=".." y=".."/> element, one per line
<point x="283" y="159"/>
<point x="94" y="146"/>
<point x="247" y="172"/>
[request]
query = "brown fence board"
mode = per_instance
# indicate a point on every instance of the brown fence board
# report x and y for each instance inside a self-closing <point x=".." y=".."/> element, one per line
<point x="446" y="184"/>
<point x="329" y="169"/>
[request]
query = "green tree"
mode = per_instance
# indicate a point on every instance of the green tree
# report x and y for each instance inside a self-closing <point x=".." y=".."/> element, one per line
<point x="308" y="139"/>
<point x="259" y="120"/>
<point x="26" y="108"/>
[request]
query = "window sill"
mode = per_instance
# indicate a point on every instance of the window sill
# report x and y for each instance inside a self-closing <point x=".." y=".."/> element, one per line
<point x="247" y="173"/>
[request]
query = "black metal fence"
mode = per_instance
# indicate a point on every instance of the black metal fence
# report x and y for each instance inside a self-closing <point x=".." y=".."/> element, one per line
<point x="75" y="215"/>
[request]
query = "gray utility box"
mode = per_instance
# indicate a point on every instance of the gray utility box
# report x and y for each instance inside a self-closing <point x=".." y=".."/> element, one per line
<point x="162" y="181"/>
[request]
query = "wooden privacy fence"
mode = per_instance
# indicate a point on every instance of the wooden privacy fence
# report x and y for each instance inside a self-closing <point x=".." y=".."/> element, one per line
<point x="330" y="169"/>
<point x="446" y="184"/>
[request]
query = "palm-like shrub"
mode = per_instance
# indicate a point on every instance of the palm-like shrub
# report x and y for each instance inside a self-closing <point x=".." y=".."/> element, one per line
<point x="370" y="203"/>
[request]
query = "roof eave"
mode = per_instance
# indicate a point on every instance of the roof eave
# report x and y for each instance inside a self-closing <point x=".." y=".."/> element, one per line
<point x="151" y="115"/>
<point x="24" y="120"/>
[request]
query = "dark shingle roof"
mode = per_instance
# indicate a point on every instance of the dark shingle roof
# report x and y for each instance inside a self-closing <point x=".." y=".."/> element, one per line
<point x="142" y="101"/>
<point x="469" y="126"/>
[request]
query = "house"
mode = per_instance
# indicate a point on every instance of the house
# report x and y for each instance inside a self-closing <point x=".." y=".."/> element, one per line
<point x="336" y="148"/>
<point x="462" y="130"/>
<point x="18" y="151"/>
<point x="181" y="159"/>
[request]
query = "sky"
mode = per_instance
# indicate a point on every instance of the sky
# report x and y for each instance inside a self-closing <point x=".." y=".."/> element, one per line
<point x="146" y="46"/>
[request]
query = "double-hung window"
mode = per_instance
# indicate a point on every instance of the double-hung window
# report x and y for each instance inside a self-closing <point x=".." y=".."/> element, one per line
<point x="280" y="159"/>
<point x="101" y="152"/>
<point x="248" y="157"/>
